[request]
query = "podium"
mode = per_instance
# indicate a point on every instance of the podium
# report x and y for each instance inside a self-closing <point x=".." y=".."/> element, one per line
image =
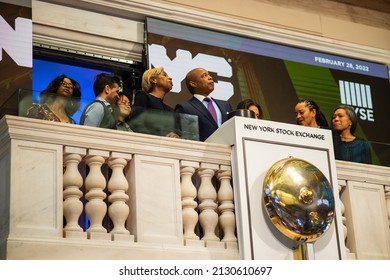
<point x="256" y="146"/>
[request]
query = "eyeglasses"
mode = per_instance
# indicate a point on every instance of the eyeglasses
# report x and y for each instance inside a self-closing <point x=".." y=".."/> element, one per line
<point x="124" y="103"/>
<point x="65" y="84"/>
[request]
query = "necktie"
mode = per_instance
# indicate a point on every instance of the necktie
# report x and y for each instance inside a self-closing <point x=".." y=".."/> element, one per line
<point x="211" y="109"/>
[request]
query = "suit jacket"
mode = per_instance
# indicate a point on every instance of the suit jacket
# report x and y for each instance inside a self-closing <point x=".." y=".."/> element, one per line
<point x="148" y="101"/>
<point x="207" y="125"/>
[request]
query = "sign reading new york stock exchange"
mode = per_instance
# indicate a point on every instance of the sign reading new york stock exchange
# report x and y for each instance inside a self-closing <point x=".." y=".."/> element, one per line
<point x="299" y="132"/>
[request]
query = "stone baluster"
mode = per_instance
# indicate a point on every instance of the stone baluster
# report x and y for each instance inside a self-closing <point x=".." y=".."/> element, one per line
<point x="207" y="196"/>
<point x="387" y="198"/>
<point x="72" y="182"/>
<point x="95" y="183"/>
<point x="188" y="203"/>
<point x="227" y="219"/>
<point x="341" y="186"/>
<point x="118" y="186"/>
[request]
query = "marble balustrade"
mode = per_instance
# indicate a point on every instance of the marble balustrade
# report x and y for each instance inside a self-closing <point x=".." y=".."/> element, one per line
<point x="107" y="195"/>
<point x="156" y="196"/>
<point x="72" y="192"/>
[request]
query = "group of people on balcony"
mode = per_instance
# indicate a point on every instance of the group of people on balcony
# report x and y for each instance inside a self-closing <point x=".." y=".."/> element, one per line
<point x="112" y="108"/>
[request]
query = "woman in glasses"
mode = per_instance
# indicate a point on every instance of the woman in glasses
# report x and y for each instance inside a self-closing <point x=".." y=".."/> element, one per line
<point x="58" y="102"/>
<point x="122" y="112"/>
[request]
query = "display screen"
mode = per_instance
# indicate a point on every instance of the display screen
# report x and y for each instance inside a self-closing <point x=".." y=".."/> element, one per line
<point x="275" y="76"/>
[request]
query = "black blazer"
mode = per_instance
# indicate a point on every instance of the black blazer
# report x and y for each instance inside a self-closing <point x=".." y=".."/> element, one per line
<point x="151" y="115"/>
<point x="207" y="125"/>
<point x="148" y="101"/>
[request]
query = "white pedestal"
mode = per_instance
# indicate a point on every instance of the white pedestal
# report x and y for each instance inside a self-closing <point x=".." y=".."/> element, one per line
<point x="256" y="146"/>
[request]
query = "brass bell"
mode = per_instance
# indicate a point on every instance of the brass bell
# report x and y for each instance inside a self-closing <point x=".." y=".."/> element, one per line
<point x="298" y="199"/>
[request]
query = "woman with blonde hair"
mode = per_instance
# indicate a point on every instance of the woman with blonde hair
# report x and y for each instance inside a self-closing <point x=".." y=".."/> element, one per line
<point x="150" y="114"/>
<point x="156" y="83"/>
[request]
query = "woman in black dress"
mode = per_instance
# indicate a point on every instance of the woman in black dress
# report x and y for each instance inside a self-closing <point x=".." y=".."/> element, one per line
<point x="150" y="114"/>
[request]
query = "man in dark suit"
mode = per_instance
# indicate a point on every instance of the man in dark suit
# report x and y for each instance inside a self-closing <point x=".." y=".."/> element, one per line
<point x="201" y="84"/>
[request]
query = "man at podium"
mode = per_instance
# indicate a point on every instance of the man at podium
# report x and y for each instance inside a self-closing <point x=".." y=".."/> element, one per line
<point x="211" y="112"/>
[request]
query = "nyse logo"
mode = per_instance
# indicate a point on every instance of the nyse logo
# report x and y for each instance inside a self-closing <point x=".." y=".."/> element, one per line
<point x="17" y="43"/>
<point x="178" y="67"/>
<point x="359" y="97"/>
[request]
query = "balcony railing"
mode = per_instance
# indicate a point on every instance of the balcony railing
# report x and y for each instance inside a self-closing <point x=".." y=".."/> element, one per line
<point x="77" y="192"/>
<point x="144" y="196"/>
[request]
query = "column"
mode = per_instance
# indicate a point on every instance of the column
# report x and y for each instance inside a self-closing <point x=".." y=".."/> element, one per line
<point x="95" y="183"/>
<point x="118" y="186"/>
<point x="207" y="196"/>
<point x="227" y="218"/>
<point x="72" y="183"/>
<point x="188" y="195"/>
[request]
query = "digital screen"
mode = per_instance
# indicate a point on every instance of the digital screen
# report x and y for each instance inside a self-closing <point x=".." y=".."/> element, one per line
<point x="275" y="76"/>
